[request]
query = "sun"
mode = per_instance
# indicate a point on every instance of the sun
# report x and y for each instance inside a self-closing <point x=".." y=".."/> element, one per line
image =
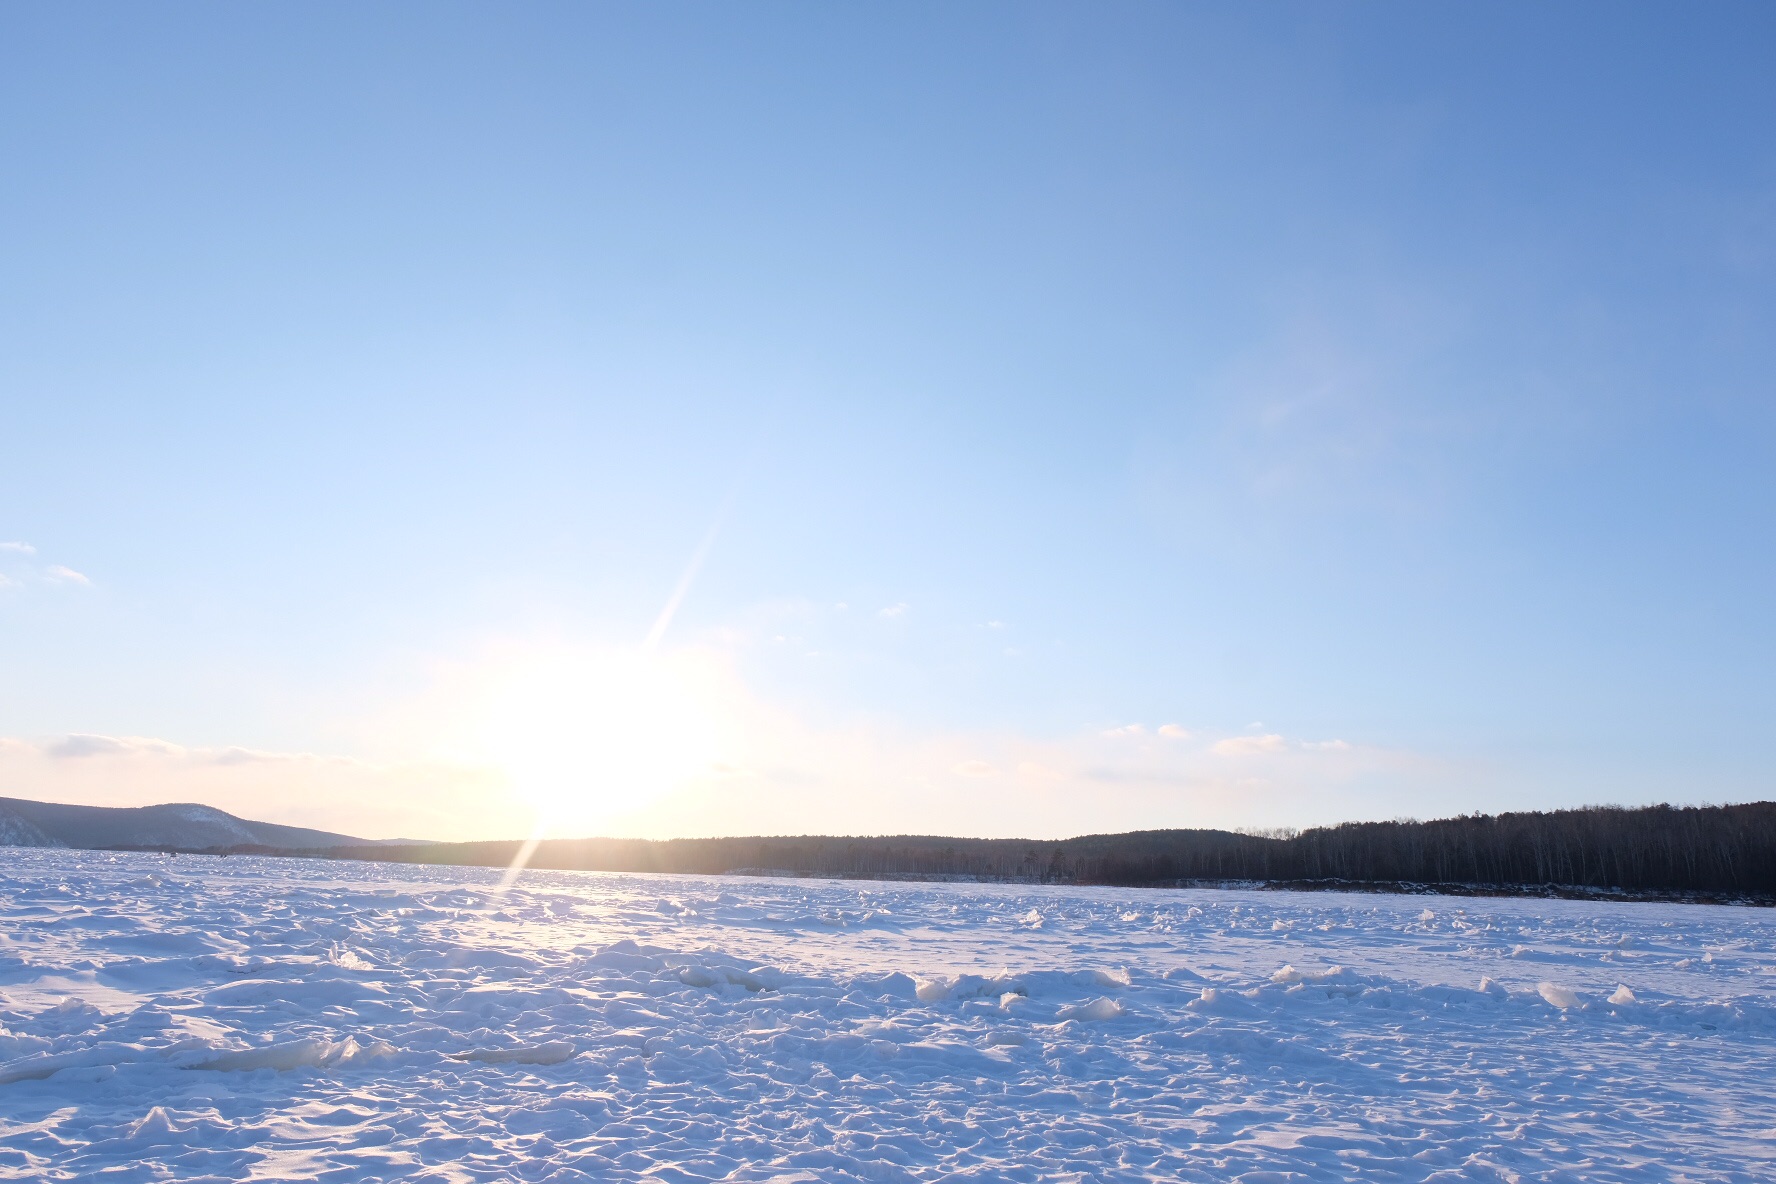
<point x="586" y="737"/>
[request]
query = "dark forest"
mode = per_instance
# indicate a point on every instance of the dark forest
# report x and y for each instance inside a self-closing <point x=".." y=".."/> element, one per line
<point x="1728" y="850"/>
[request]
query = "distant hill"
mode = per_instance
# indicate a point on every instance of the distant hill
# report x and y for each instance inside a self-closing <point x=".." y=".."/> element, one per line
<point x="183" y="826"/>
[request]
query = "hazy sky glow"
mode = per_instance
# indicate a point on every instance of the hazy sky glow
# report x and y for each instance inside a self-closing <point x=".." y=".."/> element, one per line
<point x="1086" y="417"/>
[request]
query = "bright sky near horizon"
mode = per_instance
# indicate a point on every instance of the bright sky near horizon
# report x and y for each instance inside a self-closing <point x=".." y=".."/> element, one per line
<point x="999" y="419"/>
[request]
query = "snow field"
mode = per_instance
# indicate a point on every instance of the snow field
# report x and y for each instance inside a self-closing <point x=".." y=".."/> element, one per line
<point x="201" y="1019"/>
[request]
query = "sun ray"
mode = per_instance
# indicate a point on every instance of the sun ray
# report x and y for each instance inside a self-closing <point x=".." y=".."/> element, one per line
<point x="565" y="719"/>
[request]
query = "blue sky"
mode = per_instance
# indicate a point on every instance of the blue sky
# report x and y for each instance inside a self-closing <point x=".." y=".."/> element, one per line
<point x="1378" y="396"/>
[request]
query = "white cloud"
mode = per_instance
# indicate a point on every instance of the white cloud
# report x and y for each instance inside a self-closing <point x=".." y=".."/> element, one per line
<point x="1249" y="745"/>
<point x="975" y="768"/>
<point x="19" y="548"/>
<point x="55" y="573"/>
<point x="1174" y="731"/>
<point x="894" y="611"/>
<point x="1126" y="730"/>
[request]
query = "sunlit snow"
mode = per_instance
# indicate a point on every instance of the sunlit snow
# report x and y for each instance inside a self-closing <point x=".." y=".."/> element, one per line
<point x="223" y="1019"/>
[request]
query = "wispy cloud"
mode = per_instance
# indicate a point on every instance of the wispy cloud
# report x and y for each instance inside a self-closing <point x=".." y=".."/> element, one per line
<point x="78" y="746"/>
<point x="84" y="746"/>
<point x="894" y="611"/>
<point x="1272" y="743"/>
<point x="19" y="567"/>
<point x="1249" y="745"/>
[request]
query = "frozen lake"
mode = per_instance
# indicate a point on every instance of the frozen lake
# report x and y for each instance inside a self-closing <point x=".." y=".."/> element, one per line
<point x="226" y="1019"/>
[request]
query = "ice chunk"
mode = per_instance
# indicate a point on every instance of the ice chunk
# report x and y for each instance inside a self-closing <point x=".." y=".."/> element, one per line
<point x="1101" y="1008"/>
<point x="349" y="959"/>
<point x="153" y="1126"/>
<point x="695" y="975"/>
<point x="41" y="1066"/>
<point x="893" y="985"/>
<point x="552" y="1053"/>
<point x="1622" y="995"/>
<point x="84" y="1074"/>
<point x="1288" y="974"/>
<point x="293" y="1054"/>
<point x="289" y="1054"/>
<point x="1559" y="996"/>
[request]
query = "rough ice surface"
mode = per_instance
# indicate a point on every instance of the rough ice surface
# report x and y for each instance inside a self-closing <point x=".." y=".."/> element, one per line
<point x="225" y="1019"/>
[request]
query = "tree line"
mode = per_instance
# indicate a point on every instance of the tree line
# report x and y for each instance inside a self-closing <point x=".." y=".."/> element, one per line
<point x="1709" y="849"/>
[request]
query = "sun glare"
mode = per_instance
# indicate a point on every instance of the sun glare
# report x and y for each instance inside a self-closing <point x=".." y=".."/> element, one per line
<point x="586" y="738"/>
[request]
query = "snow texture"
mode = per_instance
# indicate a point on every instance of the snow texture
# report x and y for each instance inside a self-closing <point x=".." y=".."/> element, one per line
<point x="206" y="1019"/>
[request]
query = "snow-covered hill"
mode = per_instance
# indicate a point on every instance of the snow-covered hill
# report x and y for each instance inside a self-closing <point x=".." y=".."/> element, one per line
<point x="185" y="826"/>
